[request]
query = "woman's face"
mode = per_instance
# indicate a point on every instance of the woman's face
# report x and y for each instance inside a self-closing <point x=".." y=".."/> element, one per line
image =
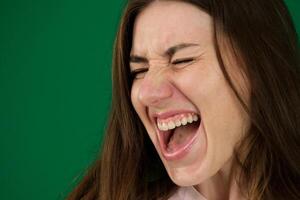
<point x="180" y="94"/>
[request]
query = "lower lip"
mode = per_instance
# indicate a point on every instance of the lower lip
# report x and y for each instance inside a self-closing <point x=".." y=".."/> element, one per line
<point x="181" y="152"/>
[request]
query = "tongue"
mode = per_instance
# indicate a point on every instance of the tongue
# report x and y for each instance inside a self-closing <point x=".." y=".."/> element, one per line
<point x="181" y="136"/>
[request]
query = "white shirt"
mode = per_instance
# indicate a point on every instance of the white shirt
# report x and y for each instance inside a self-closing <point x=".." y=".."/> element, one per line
<point x="187" y="193"/>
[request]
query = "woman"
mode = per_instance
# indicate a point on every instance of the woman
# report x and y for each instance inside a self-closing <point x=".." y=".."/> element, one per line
<point x="206" y="104"/>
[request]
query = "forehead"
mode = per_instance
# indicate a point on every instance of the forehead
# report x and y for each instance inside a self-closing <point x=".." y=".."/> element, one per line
<point x="165" y="23"/>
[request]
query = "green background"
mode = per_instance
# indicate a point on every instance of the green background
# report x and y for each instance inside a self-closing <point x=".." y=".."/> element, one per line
<point x="55" y="59"/>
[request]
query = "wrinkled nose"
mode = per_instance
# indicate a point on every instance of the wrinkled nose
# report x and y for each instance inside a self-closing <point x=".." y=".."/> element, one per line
<point x="155" y="90"/>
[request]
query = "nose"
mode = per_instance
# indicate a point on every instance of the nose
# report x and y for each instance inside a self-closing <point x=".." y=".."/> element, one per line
<point x="155" y="89"/>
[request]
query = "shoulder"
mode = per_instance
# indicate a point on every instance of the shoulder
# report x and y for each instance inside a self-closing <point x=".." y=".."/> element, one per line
<point x="187" y="193"/>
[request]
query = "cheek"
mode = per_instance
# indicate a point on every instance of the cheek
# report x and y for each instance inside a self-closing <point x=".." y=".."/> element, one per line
<point x="224" y="121"/>
<point x="138" y="106"/>
<point x="141" y="111"/>
<point x="223" y="117"/>
<point x="134" y="96"/>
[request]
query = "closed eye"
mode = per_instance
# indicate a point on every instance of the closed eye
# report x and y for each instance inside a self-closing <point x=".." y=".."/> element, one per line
<point x="138" y="73"/>
<point x="182" y="61"/>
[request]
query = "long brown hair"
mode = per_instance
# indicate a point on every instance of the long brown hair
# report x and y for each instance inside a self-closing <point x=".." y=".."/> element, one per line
<point x="263" y="40"/>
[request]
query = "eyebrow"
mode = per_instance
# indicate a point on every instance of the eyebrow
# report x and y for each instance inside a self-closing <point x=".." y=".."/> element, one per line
<point x="168" y="53"/>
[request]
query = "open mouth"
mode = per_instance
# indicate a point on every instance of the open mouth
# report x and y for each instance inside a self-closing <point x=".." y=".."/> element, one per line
<point x="177" y="134"/>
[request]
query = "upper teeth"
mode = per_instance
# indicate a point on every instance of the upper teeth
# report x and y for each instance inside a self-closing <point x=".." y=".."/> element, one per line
<point x="176" y="121"/>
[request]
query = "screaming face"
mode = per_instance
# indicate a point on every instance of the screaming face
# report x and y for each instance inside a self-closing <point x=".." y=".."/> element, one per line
<point x="179" y="92"/>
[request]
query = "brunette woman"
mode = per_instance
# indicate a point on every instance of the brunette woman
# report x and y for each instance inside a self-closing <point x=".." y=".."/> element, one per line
<point x="205" y="105"/>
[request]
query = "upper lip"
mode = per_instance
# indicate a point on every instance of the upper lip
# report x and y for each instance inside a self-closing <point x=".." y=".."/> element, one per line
<point x="170" y="113"/>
